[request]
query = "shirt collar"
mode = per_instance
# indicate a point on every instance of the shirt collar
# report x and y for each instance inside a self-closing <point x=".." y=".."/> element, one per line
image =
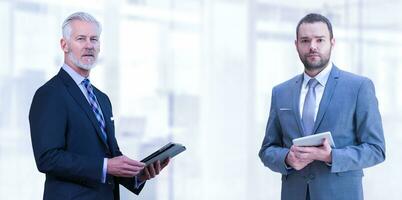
<point x="74" y="75"/>
<point x="321" y="77"/>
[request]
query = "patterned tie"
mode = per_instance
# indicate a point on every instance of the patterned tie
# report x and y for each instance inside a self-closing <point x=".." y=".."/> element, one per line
<point x="95" y="106"/>
<point x="309" y="107"/>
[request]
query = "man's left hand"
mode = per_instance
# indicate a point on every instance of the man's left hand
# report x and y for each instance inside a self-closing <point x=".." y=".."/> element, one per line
<point x="321" y="153"/>
<point x="153" y="170"/>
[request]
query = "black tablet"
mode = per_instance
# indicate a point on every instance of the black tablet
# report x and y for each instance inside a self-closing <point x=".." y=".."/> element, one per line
<point x="168" y="151"/>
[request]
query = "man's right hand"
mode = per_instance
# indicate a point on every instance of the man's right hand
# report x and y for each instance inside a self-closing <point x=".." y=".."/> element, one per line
<point x="295" y="162"/>
<point x="124" y="167"/>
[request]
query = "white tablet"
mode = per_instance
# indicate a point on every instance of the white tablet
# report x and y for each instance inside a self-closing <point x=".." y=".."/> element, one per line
<point x="314" y="140"/>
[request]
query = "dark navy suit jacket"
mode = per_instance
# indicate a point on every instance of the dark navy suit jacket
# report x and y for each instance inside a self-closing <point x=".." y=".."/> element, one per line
<point x="68" y="144"/>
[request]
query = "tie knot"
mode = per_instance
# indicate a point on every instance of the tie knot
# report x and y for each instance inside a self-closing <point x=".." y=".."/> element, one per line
<point x="312" y="83"/>
<point x="86" y="82"/>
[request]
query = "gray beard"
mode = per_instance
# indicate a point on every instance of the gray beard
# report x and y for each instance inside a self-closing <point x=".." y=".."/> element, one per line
<point x="79" y="64"/>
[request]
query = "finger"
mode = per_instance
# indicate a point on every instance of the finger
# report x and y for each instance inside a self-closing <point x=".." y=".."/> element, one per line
<point x="147" y="176"/>
<point x="151" y="169"/>
<point x="293" y="148"/>
<point x="131" y="169"/>
<point x="165" y="163"/>
<point x="299" y="149"/>
<point x="292" y="155"/>
<point x="307" y="149"/>
<point x="303" y="156"/>
<point x="299" y="156"/>
<point x="157" y="167"/>
<point x="134" y="162"/>
<point x="127" y="173"/>
<point x="305" y="159"/>
<point x="325" y="143"/>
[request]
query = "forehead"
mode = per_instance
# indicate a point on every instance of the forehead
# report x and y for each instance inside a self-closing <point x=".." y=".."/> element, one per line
<point x="316" y="29"/>
<point x="79" y="27"/>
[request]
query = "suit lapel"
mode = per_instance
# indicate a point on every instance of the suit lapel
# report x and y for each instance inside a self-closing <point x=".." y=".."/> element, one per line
<point x="76" y="93"/>
<point x="296" y="100"/>
<point x="327" y="96"/>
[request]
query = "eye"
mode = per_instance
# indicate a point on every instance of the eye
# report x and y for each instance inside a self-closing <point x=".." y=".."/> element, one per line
<point x="320" y="40"/>
<point x="304" y="41"/>
<point x="94" y="39"/>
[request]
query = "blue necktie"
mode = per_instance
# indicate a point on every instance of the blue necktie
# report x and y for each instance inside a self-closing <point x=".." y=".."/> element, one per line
<point x="309" y="107"/>
<point x="95" y="106"/>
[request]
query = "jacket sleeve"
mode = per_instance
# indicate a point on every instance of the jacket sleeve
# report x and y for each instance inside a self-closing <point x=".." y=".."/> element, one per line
<point x="272" y="152"/>
<point x="370" y="148"/>
<point x="48" y="118"/>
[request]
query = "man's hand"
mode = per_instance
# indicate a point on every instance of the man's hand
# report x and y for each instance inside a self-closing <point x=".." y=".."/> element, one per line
<point x="152" y="170"/>
<point x="295" y="162"/>
<point x="300" y="157"/>
<point x="124" y="167"/>
<point x="321" y="153"/>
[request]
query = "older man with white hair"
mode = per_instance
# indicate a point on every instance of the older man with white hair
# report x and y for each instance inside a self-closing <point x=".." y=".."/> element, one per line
<point x="72" y="126"/>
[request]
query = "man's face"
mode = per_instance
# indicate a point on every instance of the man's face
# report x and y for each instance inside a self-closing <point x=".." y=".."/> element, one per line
<point x="314" y="45"/>
<point x="83" y="46"/>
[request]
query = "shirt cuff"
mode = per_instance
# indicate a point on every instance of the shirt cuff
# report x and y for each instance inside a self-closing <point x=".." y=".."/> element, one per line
<point x="288" y="167"/>
<point x="138" y="183"/>
<point x="104" y="170"/>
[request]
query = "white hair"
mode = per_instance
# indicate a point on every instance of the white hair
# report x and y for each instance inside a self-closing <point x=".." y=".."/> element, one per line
<point x="82" y="16"/>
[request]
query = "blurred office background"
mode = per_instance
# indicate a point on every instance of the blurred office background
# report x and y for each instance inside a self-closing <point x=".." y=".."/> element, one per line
<point x="197" y="72"/>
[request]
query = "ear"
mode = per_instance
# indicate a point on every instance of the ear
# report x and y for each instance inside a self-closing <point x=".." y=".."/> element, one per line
<point x="333" y="42"/>
<point x="296" y="44"/>
<point x="64" y="45"/>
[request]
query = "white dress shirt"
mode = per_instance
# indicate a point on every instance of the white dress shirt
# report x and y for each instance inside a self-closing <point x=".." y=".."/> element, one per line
<point x="322" y="79"/>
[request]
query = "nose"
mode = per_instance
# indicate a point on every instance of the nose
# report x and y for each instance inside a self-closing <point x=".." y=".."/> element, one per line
<point x="313" y="46"/>
<point x="89" y="44"/>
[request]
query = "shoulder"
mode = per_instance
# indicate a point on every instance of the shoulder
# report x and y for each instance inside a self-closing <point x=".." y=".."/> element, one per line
<point x="352" y="79"/>
<point x="349" y="76"/>
<point x="48" y="98"/>
<point x="51" y="88"/>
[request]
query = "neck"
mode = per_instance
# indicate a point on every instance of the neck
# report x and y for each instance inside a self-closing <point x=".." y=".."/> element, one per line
<point x="313" y="72"/>
<point x="80" y="71"/>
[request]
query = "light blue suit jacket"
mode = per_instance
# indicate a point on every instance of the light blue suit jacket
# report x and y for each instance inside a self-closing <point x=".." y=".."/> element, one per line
<point x="349" y="110"/>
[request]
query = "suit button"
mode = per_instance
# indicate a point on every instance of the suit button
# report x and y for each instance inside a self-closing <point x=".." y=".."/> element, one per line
<point x="311" y="176"/>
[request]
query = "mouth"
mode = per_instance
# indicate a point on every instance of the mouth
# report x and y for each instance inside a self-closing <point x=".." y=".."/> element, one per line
<point x="313" y="55"/>
<point x="88" y="55"/>
<point x="88" y="58"/>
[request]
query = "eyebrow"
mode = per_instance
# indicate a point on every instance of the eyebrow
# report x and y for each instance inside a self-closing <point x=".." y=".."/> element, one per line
<point x="93" y="36"/>
<point x="305" y="37"/>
